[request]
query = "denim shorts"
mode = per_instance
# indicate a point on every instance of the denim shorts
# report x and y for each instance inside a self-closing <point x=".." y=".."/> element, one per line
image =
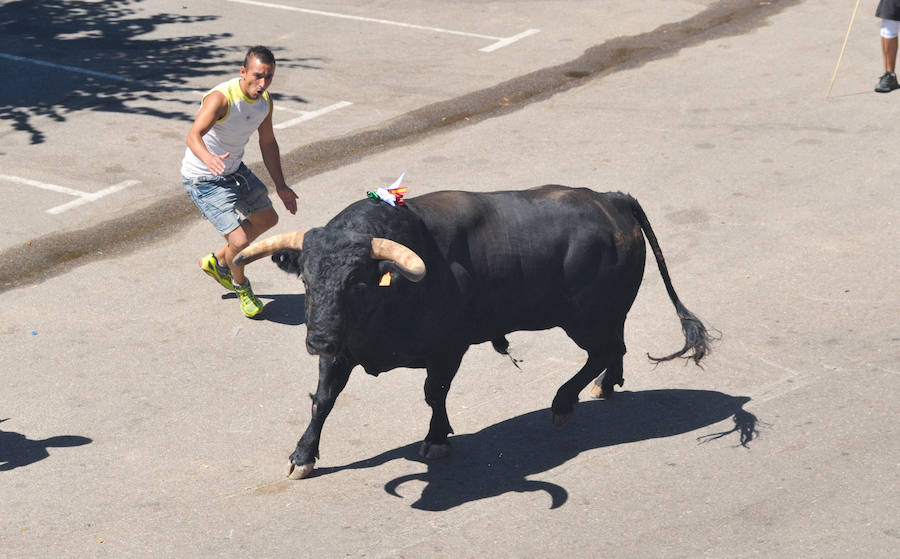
<point x="221" y="198"/>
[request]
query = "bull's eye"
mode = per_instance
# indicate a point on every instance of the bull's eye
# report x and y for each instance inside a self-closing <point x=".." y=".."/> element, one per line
<point x="358" y="288"/>
<point x="355" y="280"/>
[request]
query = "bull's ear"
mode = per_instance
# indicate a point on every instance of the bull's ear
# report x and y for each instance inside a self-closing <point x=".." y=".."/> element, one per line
<point x="387" y="273"/>
<point x="385" y="267"/>
<point x="288" y="260"/>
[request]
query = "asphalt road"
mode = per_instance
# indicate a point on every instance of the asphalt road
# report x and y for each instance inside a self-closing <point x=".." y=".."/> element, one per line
<point x="142" y="415"/>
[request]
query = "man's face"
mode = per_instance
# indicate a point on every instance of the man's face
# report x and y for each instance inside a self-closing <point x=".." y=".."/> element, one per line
<point x="256" y="78"/>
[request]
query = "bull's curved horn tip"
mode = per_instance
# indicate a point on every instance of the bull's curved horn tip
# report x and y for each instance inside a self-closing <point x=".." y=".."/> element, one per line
<point x="270" y="245"/>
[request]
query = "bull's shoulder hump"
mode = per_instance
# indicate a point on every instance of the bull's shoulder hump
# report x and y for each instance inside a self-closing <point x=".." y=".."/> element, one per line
<point x="449" y="198"/>
<point x="463" y="200"/>
<point x="446" y="202"/>
<point x="558" y="191"/>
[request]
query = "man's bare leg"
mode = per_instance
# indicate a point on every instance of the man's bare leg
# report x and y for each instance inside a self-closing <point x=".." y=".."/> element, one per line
<point x="889" y="51"/>
<point x="240" y="238"/>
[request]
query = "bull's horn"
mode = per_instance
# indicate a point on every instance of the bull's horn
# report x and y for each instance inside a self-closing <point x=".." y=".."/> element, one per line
<point x="268" y="246"/>
<point x="408" y="262"/>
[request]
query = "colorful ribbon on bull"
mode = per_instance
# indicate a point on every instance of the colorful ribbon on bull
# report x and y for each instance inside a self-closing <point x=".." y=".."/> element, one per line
<point x="392" y="195"/>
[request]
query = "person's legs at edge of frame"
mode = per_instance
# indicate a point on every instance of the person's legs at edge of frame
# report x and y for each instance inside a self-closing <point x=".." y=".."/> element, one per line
<point x="889" y="32"/>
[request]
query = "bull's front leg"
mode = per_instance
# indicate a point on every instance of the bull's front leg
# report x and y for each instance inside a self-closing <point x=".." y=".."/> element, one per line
<point x="437" y="385"/>
<point x="333" y="375"/>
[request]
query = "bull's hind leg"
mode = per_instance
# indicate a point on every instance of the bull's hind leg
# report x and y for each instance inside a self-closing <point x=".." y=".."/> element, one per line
<point x="440" y="374"/>
<point x="604" y="385"/>
<point x="605" y="350"/>
<point x="567" y="396"/>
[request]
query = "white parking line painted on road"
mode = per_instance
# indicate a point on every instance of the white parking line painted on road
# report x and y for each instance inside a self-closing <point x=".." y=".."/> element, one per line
<point x="500" y="41"/>
<point x="308" y="115"/>
<point x="509" y="40"/>
<point x="305" y="115"/>
<point x="104" y="75"/>
<point x="81" y="197"/>
<point x="93" y="196"/>
<point x="85" y="71"/>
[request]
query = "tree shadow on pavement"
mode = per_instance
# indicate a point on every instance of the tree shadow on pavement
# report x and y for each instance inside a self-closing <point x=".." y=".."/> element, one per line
<point x="112" y="56"/>
<point x="499" y="458"/>
<point x="17" y="450"/>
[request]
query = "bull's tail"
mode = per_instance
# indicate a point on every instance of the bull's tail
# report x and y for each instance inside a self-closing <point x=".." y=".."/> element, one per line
<point x="696" y="338"/>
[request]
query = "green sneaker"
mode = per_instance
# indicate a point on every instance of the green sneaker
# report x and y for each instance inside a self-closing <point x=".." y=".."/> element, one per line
<point x="210" y="265"/>
<point x="250" y="303"/>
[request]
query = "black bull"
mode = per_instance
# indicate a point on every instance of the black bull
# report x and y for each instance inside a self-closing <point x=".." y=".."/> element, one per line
<point x="467" y="268"/>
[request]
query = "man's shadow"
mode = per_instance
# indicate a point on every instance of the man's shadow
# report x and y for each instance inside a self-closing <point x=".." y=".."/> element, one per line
<point x="500" y="458"/>
<point x="289" y="309"/>
<point x="17" y="450"/>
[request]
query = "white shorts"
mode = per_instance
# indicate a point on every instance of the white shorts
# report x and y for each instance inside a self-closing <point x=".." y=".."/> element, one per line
<point x="890" y="28"/>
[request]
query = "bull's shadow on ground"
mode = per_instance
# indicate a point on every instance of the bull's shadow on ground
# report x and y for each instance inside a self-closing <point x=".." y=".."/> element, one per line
<point x="500" y="458"/>
<point x="287" y="309"/>
<point x="17" y="450"/>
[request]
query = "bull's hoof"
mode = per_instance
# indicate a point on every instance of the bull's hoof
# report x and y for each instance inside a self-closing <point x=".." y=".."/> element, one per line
<point x="299" y="472"/>
<point x="561" y="419"/>
<point x="433" y="451"/>
<point x="600" y="393"/>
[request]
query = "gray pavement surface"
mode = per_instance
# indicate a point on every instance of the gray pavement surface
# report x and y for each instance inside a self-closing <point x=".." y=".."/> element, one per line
<point x="142" y="415"/>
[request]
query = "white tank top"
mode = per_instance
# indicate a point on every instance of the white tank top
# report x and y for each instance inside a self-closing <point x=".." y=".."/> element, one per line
<point x="231" y="133"/>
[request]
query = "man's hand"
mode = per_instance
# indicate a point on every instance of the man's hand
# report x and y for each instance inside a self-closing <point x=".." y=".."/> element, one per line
<point x="289" y="197"/>
<point x="216" y="163"/>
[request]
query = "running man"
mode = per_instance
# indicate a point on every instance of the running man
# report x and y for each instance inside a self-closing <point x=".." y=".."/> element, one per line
<point x="228" y="194"/>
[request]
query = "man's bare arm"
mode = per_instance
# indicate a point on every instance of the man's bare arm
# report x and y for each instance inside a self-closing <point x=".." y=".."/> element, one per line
<point x="271" y="155"/>
<point x="214" y="107"/>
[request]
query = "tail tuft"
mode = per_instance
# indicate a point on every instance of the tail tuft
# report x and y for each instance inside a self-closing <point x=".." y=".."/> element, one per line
<point x="697" y="340"/>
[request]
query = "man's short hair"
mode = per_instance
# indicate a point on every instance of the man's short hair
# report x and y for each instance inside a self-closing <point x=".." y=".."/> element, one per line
<point x="262" y="53"/>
